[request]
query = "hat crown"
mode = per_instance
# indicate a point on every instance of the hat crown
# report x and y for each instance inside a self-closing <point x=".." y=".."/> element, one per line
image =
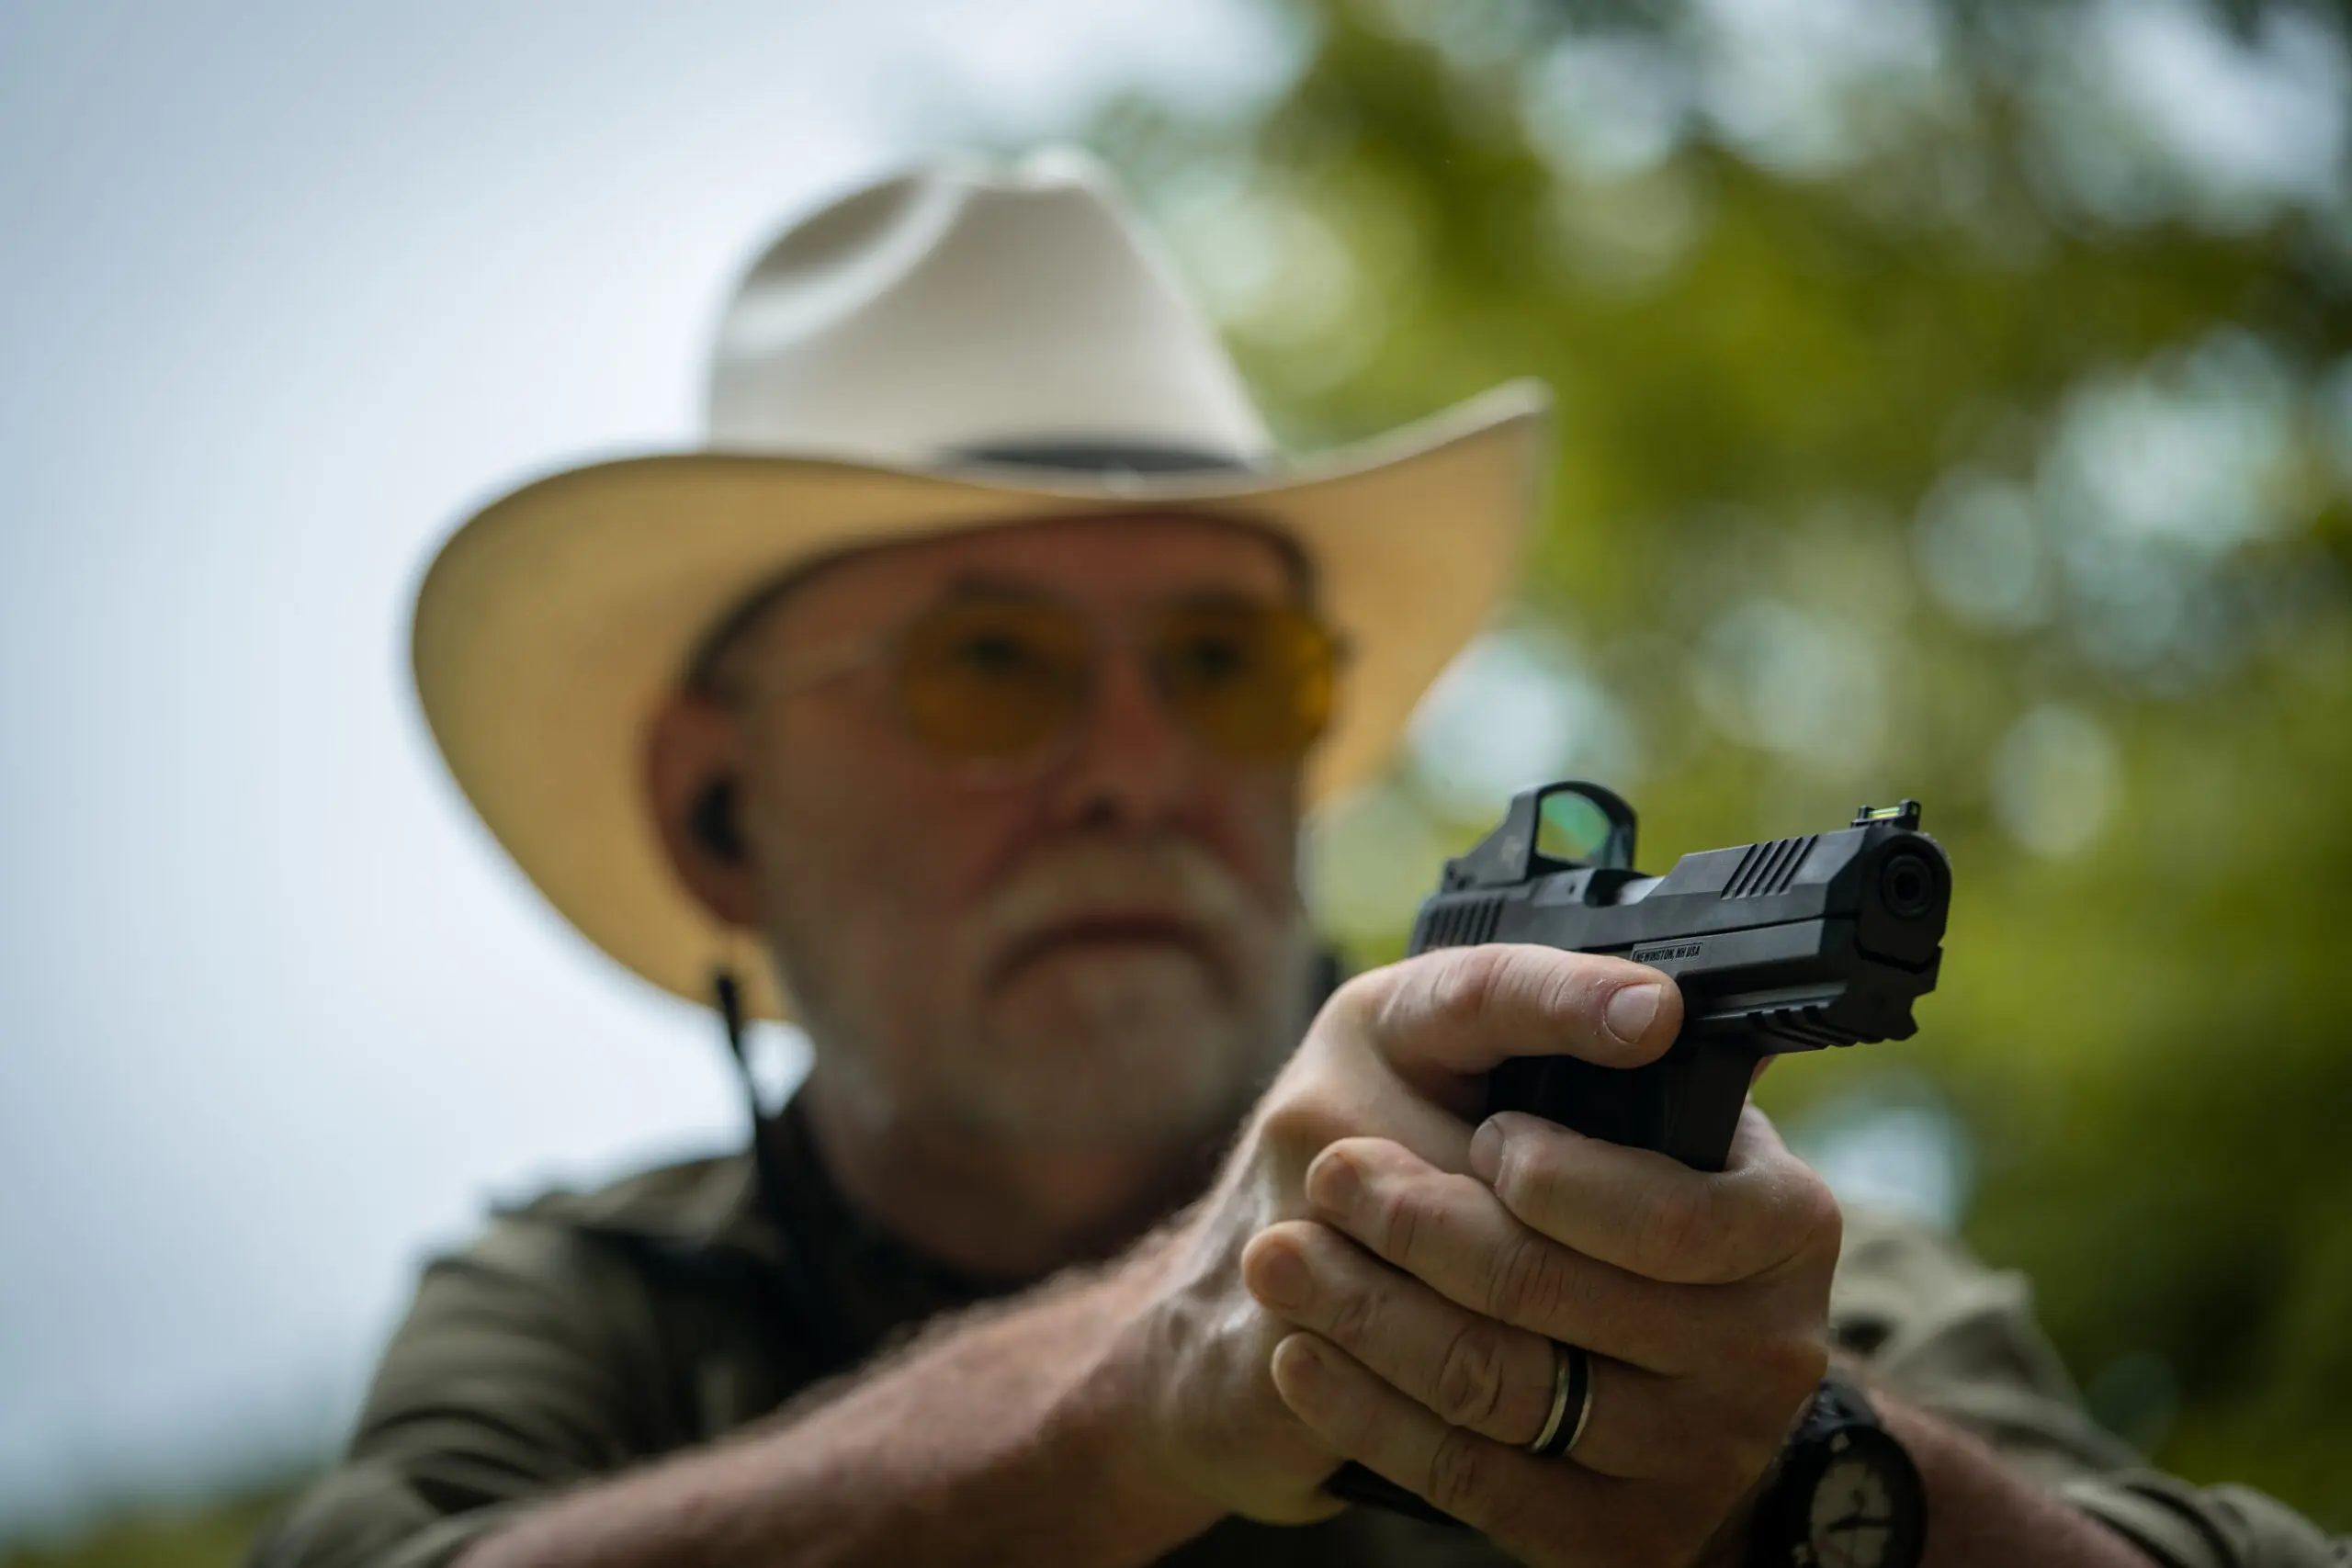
<point x="959" y="308"/>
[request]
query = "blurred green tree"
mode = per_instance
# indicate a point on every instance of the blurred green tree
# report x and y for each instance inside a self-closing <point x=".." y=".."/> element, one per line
<point x="1954" y="402"/>
<point x="214" y="1535"/>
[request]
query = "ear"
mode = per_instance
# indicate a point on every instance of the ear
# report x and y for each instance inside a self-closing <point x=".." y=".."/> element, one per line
<point x="694" y="771"/>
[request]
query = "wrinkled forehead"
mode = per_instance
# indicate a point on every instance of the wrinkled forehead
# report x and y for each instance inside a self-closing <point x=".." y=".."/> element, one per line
<point x="1102" y="561"/>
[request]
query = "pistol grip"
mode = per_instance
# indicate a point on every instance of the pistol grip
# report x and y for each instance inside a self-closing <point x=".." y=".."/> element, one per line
<point x="1686" y="1104"/>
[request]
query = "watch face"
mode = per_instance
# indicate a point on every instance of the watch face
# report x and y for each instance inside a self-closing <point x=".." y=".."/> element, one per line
<point x="1865" y="1510"/>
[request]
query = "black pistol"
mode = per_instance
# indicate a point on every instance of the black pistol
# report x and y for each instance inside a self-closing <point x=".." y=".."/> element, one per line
<point x="1788" y="946"/>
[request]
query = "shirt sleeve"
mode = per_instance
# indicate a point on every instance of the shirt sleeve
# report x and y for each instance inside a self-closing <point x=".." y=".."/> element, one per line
<point x="525" y="1364"/>
<point x="1937" y="1327"/>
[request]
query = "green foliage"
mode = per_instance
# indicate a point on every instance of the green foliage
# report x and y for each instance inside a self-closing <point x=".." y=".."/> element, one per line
<point x="1948" y="427"/>
<point x="214" y="1536"/>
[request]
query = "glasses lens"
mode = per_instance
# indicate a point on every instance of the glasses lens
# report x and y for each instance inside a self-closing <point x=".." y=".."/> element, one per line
<point x="988" y="677"/>
<point x="1252" y="681"/>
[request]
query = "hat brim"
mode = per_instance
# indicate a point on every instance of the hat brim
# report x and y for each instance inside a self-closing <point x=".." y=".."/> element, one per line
<point x="553" y="624"/>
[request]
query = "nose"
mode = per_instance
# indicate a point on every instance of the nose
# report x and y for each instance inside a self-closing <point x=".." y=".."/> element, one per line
<point x="1134" y="764"/>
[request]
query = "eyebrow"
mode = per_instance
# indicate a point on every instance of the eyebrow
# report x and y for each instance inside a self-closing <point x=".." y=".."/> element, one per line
<point x="979" y="583"/>
<point x="985" y="584"/>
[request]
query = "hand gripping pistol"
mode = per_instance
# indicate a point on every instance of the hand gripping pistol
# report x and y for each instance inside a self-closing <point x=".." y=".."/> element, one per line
<point x="1788" y="946"/>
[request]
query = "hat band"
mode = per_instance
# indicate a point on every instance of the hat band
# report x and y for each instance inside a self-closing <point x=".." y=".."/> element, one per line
<point x="1101" y="456"/>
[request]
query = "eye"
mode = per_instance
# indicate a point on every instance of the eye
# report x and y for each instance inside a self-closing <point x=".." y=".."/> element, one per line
<point x="1206" y="645"/>
<point x="998" y="651"/>
<point x="1211" y="657"/>
<point x="993" y="644"/>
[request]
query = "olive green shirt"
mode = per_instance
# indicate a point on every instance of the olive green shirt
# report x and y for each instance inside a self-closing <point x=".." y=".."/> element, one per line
<point x="587" y="1332"/>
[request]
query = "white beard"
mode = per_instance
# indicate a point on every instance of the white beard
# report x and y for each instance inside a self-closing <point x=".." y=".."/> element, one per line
<point x="1086" y="1044"/>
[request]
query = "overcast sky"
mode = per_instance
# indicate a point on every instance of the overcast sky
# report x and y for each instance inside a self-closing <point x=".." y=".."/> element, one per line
<point x="281" y="298"/>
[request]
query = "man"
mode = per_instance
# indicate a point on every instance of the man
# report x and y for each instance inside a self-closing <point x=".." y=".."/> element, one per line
<point x="977" y="678"/>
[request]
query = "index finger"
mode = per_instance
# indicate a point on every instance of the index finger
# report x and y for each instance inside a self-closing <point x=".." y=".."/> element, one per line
<point x="1465" y="1010"/>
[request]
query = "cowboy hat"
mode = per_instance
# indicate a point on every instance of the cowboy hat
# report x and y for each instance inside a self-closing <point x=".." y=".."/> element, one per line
<point x="953" y="348"/>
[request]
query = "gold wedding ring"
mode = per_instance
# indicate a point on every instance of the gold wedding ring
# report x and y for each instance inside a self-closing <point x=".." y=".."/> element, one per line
<point x="1571" y="1388"/>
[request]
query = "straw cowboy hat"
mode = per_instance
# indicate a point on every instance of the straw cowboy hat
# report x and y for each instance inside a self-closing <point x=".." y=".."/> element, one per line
<point x="955" y="347"/>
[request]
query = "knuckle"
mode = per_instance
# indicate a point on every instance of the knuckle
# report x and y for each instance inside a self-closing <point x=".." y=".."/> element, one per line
<point x="1358" y="998"/>
<point x="1531" y="1284"/>
<point x="1470" y="1378"/>
<point x="1817" y="1210"/>
<point x="1301" y="1122"/>
<point x="1355" y="1317"/>
<point x="1461" y="985"/>
<point x="1524" y="1180"/>
<point x="1404" y="1217"/>
<point x="1566" y="989"/>
<point x="1458" y="1473"/>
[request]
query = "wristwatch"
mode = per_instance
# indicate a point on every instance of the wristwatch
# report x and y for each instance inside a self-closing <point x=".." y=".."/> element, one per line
<point x="1846" y="1496"/>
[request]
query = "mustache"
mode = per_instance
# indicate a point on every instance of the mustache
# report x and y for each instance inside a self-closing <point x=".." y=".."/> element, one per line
<point x="1166" y="886"/>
